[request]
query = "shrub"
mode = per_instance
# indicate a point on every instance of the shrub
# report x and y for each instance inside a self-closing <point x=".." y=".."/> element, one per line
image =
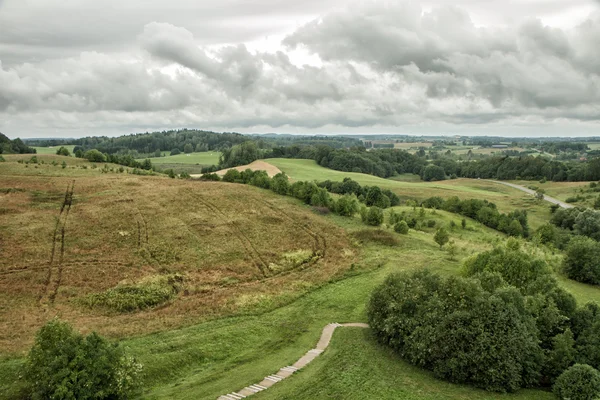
<point x="2" y="159"/>
<point x="210" y="177"/>
<point x="280" y="184"/>
<point x="232" y="175"/>
<point x="580" y="382"/>
<point x="347" y="205"/>
<point x="175" y="151"/>
<point x="431" y="223"/>
<point x="441" y="237"/>
<point x="148" y="293"/>
<point x="374" y="216"/>
<point x="401" y="227"/>
<point x="63" y="364"/>
<point x="63" y="151"/>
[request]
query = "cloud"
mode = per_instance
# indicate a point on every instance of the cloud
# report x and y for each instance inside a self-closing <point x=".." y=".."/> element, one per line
<point x="381" y="67"/>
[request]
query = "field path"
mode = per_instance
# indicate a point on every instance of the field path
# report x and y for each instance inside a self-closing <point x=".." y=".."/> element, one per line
<point x="531" y="192"/>
<point x="284" y="372"/>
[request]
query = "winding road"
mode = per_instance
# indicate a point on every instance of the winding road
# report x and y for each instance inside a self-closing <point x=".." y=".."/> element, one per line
<point x="531" y="192"/>
<point x="284" y="372"/>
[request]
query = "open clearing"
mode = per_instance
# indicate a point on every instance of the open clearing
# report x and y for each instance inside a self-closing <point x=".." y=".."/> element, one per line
<point x="204" y="158"/>
<point x="232" y="326"/>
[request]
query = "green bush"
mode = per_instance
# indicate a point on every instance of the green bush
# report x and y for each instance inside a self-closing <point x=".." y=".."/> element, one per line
<point x="2" y="159"/>
<point x="580" y="382"/>
<point x="232" y="175"/>
<point x="347" y="205"/>
<point x="458" y="330"/>
<point x="63" y="364"/>
<point x="280" y="184"/>
<point x="210" y="177"/>
<point x="441" y="237"/>
<point x="63" y="151"/>
<point x="374" y="216"/>
<point x="401" y="227"/>
<point x="128" y="298"/>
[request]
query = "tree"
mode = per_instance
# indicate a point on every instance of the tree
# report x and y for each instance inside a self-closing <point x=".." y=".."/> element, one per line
<point x="232" y="175"/>
<point x="64" y="165"/>
<point x="580" y="382"/>
<point x="175" y="151"/>
<point x="463" y="223"/>
<point x="157" y="153"/>
<point x="582" y="260"/>
<point x="94" y="156"/>
<point x="433" y="173"/>
<point x="515" y="228"/>
<point x="279" y="184"/>
<point x="188" y="148"/>
<point x="441" y="237"/>
<point x="63" y="151"/>
<point x="401" y="227"/>
<point x="63" y="364"/>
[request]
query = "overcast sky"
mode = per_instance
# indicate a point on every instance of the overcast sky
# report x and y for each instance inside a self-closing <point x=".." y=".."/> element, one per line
<point x="72" y="68"/>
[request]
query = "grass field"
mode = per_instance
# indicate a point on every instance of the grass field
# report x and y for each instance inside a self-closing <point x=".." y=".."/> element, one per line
<point x="506" y="198"/>
<point x="204" y="158"/>
<point x="52" y="150"/>
<point x="230" y="326"/>
<point x="191" y="163"/>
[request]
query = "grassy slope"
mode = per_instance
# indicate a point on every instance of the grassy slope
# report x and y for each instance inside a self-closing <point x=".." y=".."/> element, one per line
<point x="205" y="360"/>
<point x="204" y="158"/>
<point x="506" y="198"/>
<point x="564" y="190"/>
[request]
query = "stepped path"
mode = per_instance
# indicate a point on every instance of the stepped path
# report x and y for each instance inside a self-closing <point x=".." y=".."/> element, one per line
<point x="284" y="372"/>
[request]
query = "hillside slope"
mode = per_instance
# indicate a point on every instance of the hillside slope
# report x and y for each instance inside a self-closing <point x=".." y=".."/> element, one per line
<point x="70" y="233"/>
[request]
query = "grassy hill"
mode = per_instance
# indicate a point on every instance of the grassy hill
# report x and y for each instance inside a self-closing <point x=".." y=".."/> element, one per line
<point x="252" y="299"/>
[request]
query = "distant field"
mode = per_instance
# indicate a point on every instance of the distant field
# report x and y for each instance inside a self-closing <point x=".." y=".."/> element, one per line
<point x="204" y="158"/>
<point x="52" y="150"/>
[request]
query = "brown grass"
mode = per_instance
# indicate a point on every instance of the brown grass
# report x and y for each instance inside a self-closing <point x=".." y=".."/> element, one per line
<point x="257" y="165"/>
<point x="124" y="228"/>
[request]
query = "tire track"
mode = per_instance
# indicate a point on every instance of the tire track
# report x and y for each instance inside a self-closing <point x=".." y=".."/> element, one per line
<point x="51" y="287"/>
<point x="320" y="241"/>
<point x="251" y="250"/>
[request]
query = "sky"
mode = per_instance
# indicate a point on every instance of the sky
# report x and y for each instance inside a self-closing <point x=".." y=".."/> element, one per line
<point x="72" y="68"/>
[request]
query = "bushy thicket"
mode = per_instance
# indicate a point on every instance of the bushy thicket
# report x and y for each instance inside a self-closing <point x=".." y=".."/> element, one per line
<point x="16" y="146"/>
<point x="582" y="260"/>
<point x="318" y="195"/>
<point x="63" y="364"/>
<point x="505" y="325"/>
<point x="580" y="221"/>
<point x="514" y="223"/>
<point x="370" y="195"/>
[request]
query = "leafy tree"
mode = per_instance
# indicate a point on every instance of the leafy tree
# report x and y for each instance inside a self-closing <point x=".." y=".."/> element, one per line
<point x="580" y="382"/>
<point x="582" y="260"/>
<point x="515" y="228"/>
<point x="157" y="153"/>
<point x="94" y="156"/>
<point x="401" y="227"/>
<point x="63" y="151"/>
<point x="433" y="173"/>
<point x="587" y="223"/>
<point x="209" y="177"/>
<point x="240" y="154"/>
<point x="175" y="151"/>
<point x="560" y="356"/>
<point x="63" y="364"/>
<point x="188" y="148"/>
<point x="539" y="194"/>
<point x="441" y="237"/>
